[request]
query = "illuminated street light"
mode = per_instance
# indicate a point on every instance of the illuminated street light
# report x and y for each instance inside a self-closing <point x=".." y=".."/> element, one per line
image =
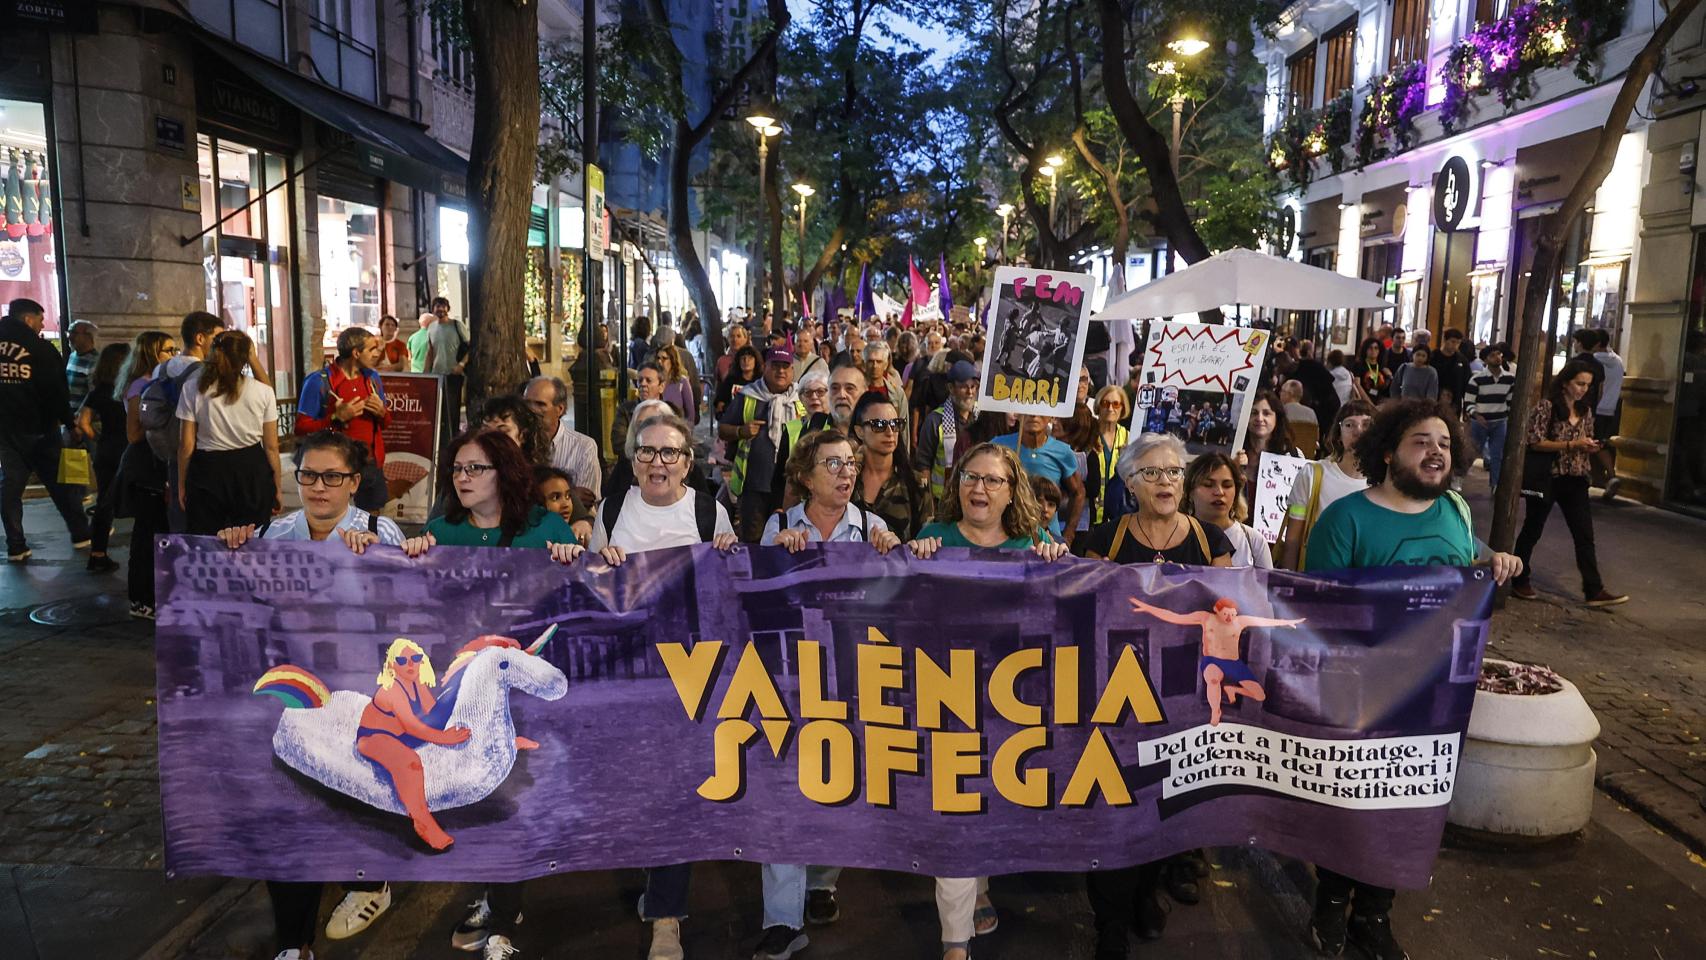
<point x="1188" y="46"/>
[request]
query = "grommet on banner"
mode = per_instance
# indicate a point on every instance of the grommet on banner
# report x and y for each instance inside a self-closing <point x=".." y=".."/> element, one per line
<point x="1095" y="864"/>
<point x="915" y="864"/>
<point x="553" y="865"/>
<point x="737" y="851"/>
<point x="361" y="874"/>
<point x="1480" y="574"/>
<point x="163" y="543"/>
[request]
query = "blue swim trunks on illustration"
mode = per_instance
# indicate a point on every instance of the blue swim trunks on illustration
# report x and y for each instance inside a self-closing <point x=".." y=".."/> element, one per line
<point x="1235" y="671"/>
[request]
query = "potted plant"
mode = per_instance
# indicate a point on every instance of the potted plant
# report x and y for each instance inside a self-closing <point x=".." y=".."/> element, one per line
<point x="1526" y="769"/>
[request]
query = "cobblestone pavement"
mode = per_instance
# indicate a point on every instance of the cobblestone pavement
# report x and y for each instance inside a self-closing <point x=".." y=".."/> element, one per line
<point x="79" y="808"/>
<point x="1641" y="666"/>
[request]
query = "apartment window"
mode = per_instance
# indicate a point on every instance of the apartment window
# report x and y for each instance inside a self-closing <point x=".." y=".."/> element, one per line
<point x="1409" y="32"/>
<point x="1486" y="11"/>
<point x="341" y="34"/>
<point x="1300" y="79"/>
<point x="256" y="24"/>
<point x="454" y="61"/>
<point x="1339" y="47"/>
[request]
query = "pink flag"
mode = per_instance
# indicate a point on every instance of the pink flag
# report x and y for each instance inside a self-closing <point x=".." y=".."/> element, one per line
<point x="920" y="287"/>
<point x="906" y="316"/>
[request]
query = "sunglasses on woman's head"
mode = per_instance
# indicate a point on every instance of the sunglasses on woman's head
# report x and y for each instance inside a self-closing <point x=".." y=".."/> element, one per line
<point x="405" y="659"/>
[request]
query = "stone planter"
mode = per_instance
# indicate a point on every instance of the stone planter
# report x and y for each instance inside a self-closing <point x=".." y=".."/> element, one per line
<point x="1527" y="766"/>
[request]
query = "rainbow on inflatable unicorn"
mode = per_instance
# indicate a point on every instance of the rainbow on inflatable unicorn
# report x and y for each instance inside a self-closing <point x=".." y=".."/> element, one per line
<point x="407" y="749"/>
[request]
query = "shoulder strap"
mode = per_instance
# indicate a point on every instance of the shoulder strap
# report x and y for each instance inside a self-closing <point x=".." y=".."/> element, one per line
<point x="864" y="523"/>
<point x="1202" y="538"/>
<point x="507" y="539"/>
<point x="704" y="515"/>
<point x="1318" y="472"/>
<point x="372" y="522"/>
<point x="1120" y="532"/>
<point x="1462" y="506"/>
<point x="611" y="510"/>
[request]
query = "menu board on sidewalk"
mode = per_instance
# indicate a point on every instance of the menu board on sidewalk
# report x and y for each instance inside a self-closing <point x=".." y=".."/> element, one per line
<point x="411" y="443"/>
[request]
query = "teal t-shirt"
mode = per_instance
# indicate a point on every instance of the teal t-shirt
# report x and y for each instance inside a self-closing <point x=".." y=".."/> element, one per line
<point x="952" y="537"/>
<point x="1356" y="532"/>
<point x="543" y="527"/>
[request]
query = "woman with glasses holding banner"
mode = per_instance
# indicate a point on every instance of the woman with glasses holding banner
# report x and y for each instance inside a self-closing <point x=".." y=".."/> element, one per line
<point x="987" y="503"/>
<point x="887" y="487"/>
<point x="822" y="473"/>
<point x="1158" y="531"/>
<point x="658" y="509"/>
<point x="327" y="481"/>
<point x="486" y="485"/>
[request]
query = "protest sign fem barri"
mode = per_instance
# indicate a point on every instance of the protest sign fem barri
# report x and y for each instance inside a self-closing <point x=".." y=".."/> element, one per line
<point x="1037" y="327"/>
<point x="485" y="715"/>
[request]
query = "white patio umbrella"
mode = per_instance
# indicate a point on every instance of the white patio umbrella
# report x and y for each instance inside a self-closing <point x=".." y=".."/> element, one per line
<point x="1245" y="278"/>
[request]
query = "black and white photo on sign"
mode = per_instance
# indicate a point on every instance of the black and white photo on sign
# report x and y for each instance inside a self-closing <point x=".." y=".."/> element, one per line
<point x="1037" y="325"/>
<point x="1198" y="382"/>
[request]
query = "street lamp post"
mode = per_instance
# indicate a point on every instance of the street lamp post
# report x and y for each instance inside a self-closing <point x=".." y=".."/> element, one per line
<point x="804" y="190"/>
<point x="980" y="243"/>
<point x="1050" y="169"/>
<point x="1004" y="211"/>
<point x="1184" y="47"/>
<point x="767" y="128"/>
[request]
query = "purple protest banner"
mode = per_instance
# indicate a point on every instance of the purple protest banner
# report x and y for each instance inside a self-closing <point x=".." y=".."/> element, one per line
<point x="975" y="713"/>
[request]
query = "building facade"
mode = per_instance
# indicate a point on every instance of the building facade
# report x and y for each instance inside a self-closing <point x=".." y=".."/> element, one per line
<point x="1439" y="140"/>
<point x="1410" y="169"/>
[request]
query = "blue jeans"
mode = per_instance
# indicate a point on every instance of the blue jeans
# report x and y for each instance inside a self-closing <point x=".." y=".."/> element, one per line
<point x="785" y="886"/>
<point x="1490" y="440"/>
<point x="20" y="455"/>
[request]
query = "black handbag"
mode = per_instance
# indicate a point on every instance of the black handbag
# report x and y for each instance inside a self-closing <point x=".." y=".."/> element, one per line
<point x="1537" y="472"/>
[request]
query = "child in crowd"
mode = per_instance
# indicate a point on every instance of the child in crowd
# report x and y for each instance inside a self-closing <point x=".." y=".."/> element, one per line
<point x="555" y="491"/>
<point x="1048" y="494"/>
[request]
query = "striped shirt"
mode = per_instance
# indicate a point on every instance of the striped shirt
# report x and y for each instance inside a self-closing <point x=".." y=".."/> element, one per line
<point x="1488" y="395"/>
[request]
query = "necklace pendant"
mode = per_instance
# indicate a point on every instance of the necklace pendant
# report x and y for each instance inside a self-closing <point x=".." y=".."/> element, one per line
<point x="1159" y="558"/>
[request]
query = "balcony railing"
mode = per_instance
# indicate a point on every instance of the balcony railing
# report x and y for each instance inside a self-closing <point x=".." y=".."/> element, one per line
<point x="256" y="24"/>
<point x="343" y="61"/>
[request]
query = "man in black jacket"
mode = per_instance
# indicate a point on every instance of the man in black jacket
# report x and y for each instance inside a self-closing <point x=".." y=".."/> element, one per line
<point x="34" y="395"/>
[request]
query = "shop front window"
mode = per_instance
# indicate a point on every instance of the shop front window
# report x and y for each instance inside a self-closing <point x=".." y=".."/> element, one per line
<point x="351" y="267"/>
<point x="29" y="267"/>
<point x="246" y="251"/>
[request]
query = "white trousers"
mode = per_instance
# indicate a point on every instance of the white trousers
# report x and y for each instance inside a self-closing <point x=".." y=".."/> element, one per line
<point x="956" y="901"/>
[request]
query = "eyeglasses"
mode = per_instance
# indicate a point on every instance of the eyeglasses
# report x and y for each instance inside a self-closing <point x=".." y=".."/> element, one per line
<point x="840" y="464"/>
<point x="666" y="454"/>
<point x="331" y="478"/>
<point x="818" y="393"/>
<point x="470" y="470"/>
<point x="169" y="351"/>
<point x="989" y="482"/>
<point x="1154" y="474"/>
<point x="417" y="658"/>
<point x="889" y="425"/>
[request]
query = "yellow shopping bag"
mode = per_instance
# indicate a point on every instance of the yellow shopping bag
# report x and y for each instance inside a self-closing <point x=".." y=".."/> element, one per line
<point x="74" y="467"/>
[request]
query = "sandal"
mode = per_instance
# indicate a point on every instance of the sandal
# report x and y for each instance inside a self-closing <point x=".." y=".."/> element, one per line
<point x="947" y="947"/>
<point x="984" y="919"/>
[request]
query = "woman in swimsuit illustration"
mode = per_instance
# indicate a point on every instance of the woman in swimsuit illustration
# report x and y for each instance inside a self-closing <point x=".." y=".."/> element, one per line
<point x="393" y="725"/>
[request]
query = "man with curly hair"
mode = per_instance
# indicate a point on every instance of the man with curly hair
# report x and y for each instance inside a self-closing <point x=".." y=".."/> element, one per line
<point x="1409" y="515"/>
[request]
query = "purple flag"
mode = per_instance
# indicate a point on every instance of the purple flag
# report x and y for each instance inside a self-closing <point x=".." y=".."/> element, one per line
<point x="944" y="296"/>
<point x="978" y="712"/>
<point x="864" y="306"/>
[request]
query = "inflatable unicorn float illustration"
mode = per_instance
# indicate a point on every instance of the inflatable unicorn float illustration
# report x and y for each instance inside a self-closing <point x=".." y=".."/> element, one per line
<point x="407" y="749"/>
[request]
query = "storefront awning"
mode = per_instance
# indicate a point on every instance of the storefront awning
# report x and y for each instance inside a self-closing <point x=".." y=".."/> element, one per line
<point x="385" y="145"/>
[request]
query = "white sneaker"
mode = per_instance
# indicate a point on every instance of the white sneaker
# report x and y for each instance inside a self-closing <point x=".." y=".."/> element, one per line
<point x="498" y="947"/>
<point x="471" y="934"/>
<point x="356" y="911"/>
<point x="294" y="954"/>
<point x="666" y="940"/>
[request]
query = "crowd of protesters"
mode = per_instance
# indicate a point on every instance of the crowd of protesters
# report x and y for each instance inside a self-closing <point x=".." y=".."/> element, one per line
<point x="801" y="432"/>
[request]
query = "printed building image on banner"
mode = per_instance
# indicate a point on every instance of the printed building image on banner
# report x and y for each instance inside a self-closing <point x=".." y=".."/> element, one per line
<point x="487" y="715"/>
<point x="1197" y="383"/>
<point x="1037" y="325"/>
<point x="411" y="443"/>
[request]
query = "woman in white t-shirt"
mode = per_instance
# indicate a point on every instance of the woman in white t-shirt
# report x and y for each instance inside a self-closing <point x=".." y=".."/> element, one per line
<point x="228" y="440"/>
<point x="1324" y="481"/>
<point x="660" y="510"/>
<point x="1212" y="484"/>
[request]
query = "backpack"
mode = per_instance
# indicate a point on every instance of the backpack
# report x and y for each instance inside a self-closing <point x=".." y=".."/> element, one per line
<point x="157" y="409"/>
<point x="704" y="514"/>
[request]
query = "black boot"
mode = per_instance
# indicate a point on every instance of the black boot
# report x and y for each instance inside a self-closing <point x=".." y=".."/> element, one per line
<point x="1327" y="927"/>
<point x="1371" y="933"/>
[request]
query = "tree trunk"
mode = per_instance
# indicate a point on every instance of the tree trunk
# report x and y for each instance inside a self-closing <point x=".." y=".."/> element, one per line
<point x="1147" y="143"/>
<point x="687" y="137"/>
<point x="505" y="37"/>
<point x="1122" y="222"/>
<point x="1544" y="272"/>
